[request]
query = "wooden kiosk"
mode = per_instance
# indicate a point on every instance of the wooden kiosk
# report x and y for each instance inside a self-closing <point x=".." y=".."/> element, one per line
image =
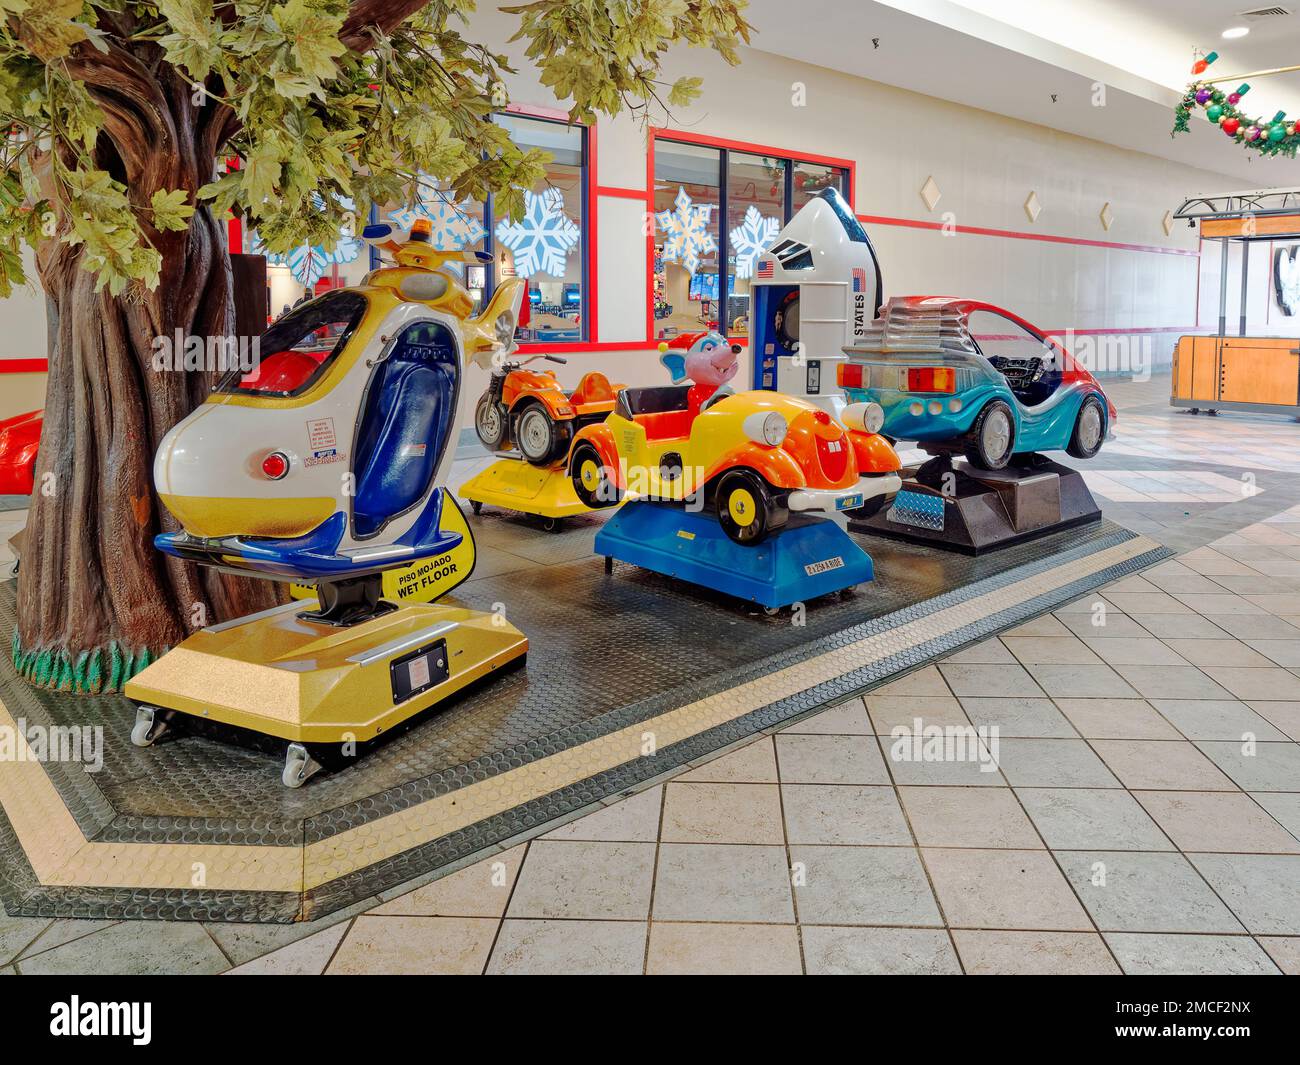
<point x="1221" y="372"/>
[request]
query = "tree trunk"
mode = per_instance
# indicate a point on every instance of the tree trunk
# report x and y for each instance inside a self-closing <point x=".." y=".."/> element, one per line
<point x="96" y="601"/>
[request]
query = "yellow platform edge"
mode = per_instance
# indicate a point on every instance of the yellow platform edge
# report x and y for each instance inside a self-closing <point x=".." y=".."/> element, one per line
<point x="514" y="484"/>
<point x="307" y="682"/>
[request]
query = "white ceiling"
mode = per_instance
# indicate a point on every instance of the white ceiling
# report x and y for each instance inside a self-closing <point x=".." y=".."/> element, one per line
<point x="1013" y="56"/>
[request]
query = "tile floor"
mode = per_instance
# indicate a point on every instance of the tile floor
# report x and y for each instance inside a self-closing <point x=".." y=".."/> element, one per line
<point x="1132" y="803"/>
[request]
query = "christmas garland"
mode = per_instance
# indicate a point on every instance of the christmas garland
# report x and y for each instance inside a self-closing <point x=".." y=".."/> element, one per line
<point x="1277" y="136"/>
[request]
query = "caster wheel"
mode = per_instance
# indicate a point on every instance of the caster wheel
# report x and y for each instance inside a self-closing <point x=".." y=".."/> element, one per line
<point x="609" y="564"/>
<point x="476" y="506"/>
<point x="849" y="592"/>
<point x="773" y="611"/>
<point x="1194" y="410"/>
<point x="551" y="525"/>
<point x="299" y="766"/>
<point x="1212" y="413"/>
<point x="150" y="724"/>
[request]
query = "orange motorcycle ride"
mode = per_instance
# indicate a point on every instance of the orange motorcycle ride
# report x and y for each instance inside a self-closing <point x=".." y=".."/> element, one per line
<point x="528" y="410"/>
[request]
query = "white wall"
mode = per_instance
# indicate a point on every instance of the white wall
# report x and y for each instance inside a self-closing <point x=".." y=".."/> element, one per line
<point x="984" y="164"/>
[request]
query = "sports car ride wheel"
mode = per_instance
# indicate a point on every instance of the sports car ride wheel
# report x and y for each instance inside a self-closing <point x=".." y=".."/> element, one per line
<point x="591" y="480"/>
<point x="1089" y="429"/>
<point x="489" y="422"/>
<point x="746" y="509"/>
<point x="538" y="437"/>
<point x="991" y="438"/>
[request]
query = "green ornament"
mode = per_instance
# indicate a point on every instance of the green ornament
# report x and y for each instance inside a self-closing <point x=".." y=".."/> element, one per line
<point x="1218" y="97"/>
<point x="1276" y="133"/>
<point x="1214" y="112"/>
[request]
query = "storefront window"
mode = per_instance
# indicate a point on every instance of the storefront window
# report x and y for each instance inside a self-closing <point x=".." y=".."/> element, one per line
<point x="718" y="205"/>
<point x="810" y="178"/>
<point x="547" y="245"/>
<point x="755" y="214"/>
<point x="687" y="203"/>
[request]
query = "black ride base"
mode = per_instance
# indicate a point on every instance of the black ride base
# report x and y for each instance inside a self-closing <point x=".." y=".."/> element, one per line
<point x="958" y="507"/>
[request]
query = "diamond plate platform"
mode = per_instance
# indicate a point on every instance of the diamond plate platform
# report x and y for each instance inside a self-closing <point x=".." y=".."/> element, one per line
<point x="199" y="829"/>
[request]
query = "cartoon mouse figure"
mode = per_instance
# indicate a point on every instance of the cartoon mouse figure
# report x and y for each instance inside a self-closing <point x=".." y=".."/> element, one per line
<point x="708" y="360"/>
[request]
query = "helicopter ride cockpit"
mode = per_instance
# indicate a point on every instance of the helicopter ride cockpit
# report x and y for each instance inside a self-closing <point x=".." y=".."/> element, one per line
<point x="324" y="460"/>
<point x="325" y="465"/>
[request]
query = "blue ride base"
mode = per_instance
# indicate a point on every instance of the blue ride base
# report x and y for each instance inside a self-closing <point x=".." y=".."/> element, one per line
<point x="809" y="557"/>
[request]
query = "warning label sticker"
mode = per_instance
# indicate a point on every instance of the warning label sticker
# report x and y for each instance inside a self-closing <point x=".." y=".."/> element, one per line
<point x="320" y="434"/>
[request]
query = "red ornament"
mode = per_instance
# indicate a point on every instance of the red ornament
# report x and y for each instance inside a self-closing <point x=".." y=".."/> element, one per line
<point x="1230" y="126"/>
<point x="1199" y="66"/>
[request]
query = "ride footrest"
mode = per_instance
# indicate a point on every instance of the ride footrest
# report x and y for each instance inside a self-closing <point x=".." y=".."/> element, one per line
<point x="809" y="557"/>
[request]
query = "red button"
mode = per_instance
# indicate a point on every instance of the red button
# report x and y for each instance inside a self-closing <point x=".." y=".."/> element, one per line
<point x="275" y="465"/>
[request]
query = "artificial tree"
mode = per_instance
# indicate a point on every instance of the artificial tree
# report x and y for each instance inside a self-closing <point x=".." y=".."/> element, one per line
<point x="119" y="114"/>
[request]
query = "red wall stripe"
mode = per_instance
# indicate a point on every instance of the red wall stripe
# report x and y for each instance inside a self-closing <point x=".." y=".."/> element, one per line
<point x="626" y="194"/>
<point x="1016" y="234"/>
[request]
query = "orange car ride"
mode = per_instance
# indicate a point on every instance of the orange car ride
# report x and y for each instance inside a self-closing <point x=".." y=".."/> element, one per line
<point x="753" y="456"/>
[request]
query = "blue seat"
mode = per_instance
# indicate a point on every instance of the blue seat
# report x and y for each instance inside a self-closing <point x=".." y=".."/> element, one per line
<point x="410" y="407"/>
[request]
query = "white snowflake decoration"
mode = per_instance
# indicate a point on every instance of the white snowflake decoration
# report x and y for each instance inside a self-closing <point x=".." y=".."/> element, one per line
<point x="542" y="239"/>
<point x="751" y="238"/>
<point x="455" y="225"/>
<point x="686" y="231"/>
<point x="308" y="262"/>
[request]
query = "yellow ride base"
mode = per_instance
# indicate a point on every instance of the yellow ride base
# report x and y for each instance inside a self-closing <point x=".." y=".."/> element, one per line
<point x="308" y="682"/>
<point x="518" y="485"/>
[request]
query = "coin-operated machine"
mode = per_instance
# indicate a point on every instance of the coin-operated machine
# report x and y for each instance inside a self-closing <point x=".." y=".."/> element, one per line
<point x="814" y="291"/>
<point x="324" y="465"/>
<point x="727" y="490"/>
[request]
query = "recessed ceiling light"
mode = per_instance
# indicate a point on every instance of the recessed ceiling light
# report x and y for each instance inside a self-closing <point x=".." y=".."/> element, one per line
<point x="1235" y="32"/>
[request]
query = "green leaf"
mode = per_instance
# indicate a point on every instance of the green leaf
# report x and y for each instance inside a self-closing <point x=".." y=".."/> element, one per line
<point x="171" y="210"/>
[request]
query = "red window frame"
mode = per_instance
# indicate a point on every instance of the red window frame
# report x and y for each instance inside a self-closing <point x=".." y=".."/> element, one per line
<point x="706" y="141"/>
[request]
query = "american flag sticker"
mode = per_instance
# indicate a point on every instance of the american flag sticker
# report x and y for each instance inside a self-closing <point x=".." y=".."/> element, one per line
<point x="859" y="279"/>
<point x="765" y="267"/>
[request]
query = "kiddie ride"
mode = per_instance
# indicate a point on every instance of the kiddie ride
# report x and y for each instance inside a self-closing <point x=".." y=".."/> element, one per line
<point x="814" y="291"/>
<point x="722" y="486"/>
<point x="962" y="377"/>
<point x="324" y="466"/>
<point x="527" y="412"/>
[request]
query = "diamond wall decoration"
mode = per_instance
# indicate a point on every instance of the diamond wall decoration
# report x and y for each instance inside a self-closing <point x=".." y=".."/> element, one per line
<point x="1107" y="216"/>
<point x="1033" y="208"/>
<point x="1168" y="222"/>
<point x="930" y="194"/>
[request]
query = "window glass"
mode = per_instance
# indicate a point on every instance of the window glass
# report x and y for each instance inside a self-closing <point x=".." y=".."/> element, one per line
<point x="755" y="214"/>
<point x="687" y="198"/>
<point x="546" y="245"/>
<point x="298" y="348"/>
<point x="997" y="335"/>
<point x="810" y="178"/>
